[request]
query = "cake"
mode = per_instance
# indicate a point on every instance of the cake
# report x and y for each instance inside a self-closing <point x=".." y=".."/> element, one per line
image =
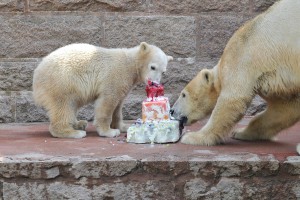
<point x="157" y="109"/>
<point x="163" y="131"/>
<point x="155" y="125"/>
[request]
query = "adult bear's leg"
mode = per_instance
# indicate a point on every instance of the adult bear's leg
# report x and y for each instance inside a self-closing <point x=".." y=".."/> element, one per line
<point x="227" y="112"/>
<point x="280" y="114"/>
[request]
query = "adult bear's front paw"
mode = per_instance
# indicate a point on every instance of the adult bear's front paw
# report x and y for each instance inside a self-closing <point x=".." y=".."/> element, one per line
<point x="198" y="138"/>
<point x="243" y="134"/>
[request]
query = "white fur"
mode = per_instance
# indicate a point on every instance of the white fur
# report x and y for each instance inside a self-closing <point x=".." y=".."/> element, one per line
<point x="262" y="57"/>
<point x="77" y="74"/>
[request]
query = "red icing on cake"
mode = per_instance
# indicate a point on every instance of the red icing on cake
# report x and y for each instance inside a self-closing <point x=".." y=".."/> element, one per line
<point x="154" y="89"/>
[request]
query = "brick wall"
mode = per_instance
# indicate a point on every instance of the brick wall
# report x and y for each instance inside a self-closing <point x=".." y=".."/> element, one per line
<point x="194" y="32"/>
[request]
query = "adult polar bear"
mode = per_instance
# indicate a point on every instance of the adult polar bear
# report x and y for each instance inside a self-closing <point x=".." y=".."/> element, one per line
<point x="262" y="57"/>
<point x="77" y="74"/>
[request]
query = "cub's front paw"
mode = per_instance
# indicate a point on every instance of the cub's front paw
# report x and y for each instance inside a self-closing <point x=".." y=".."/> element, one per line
<point x="196" y="138"/>
<point x="124" y="127"/>
<point x="109" y="133"/>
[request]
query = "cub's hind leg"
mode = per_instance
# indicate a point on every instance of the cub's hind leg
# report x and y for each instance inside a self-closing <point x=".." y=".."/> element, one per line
<point x="63" y="120"/>
<point x="117" y="119"/>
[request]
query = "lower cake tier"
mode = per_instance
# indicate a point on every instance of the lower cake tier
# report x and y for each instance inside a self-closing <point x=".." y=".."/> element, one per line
<point x="164" y="131"/>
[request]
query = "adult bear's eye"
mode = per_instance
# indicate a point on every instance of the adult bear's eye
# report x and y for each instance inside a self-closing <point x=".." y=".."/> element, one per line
<point x="152" y="68"/>
<point x="183" y="95"/>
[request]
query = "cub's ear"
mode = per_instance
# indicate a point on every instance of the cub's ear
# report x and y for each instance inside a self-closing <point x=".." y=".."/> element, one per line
<point x="144" y="47"/>
<point x="170" y="58"/>
<point x="207" y="76"/>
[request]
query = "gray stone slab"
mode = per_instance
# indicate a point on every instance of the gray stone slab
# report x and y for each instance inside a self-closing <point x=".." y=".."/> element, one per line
<point x="95" y="6"/>
<point x="36" y="34"/>
<point x="17" y="75"/>
<point x="175" y="35"/>
<point x="194" y="6"/>
<point x="26" y="110"/>
<point x="214" y="31"/>
<point x="262" y="5"/>
<point x="7" y="107"/>
<point x="12" y="5"/>
<point x="292" y="165"/>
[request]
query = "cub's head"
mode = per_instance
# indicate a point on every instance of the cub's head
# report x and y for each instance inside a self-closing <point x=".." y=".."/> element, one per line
<point x="154" y="62"/>
<point x="197" y="99"/>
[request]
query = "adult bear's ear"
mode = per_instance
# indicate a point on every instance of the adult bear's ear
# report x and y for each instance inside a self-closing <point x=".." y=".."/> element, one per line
<point x="144" y="47"/>
<point x="208" y="76"/>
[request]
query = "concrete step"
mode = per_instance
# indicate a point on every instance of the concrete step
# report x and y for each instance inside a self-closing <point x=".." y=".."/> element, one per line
<point x="33" y="165"/>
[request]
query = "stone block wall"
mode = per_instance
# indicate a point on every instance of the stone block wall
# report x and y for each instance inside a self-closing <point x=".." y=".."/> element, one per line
<point x="194" y="32"/>
<point x="235" y="177"/>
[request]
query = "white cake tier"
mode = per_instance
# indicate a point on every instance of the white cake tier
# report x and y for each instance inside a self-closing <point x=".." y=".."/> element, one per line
<point x="164" y="131"/>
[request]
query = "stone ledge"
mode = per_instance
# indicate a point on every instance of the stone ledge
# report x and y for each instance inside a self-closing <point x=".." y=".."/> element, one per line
<point x="206" y="176"/>
<point x="98" y="168"/>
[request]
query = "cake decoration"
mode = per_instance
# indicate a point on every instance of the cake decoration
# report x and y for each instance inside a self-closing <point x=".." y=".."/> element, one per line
<point x="155" y="125"/>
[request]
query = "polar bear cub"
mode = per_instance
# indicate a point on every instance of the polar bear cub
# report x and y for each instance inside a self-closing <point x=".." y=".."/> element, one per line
<point x="77" y="74"/>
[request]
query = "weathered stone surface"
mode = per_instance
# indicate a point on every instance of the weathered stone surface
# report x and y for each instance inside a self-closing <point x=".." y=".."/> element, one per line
<point x="234" y="165"/>
<point x="175" y="35"/>
<point x="210" y="176"/>
<point x="12" y="5"/>
<point x="236" y="188"/>
<point x="194" y="188"/>
<point x="94" y="5"/>
<point x="262" y="5"/>
<point x="32" y="166"/>
<point x="225" y="189"/>
<point x="7" y="107"/>
<point x="26" y="110"/>
<point x="35" y="35"/>
<point x="214" y="31"/>
<point x="17" y="76"/>
<point x="296" y="191"/>
<point x="292" y="164"/>
<point x="277" y="188"/>
<point x="192" y="6"/>
<point x="96" y="168"/>
<point x="64" y="190"/>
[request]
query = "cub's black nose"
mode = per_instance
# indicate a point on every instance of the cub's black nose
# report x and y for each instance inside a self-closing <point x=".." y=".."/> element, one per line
<point x="171" y="111"/>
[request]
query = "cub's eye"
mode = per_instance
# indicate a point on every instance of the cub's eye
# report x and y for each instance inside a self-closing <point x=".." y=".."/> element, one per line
<point x="183" y="95"/>
<point x="153" y="68"/>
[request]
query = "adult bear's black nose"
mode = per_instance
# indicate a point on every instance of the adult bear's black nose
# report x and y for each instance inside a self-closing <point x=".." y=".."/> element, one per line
<point x="172" y="111"/>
